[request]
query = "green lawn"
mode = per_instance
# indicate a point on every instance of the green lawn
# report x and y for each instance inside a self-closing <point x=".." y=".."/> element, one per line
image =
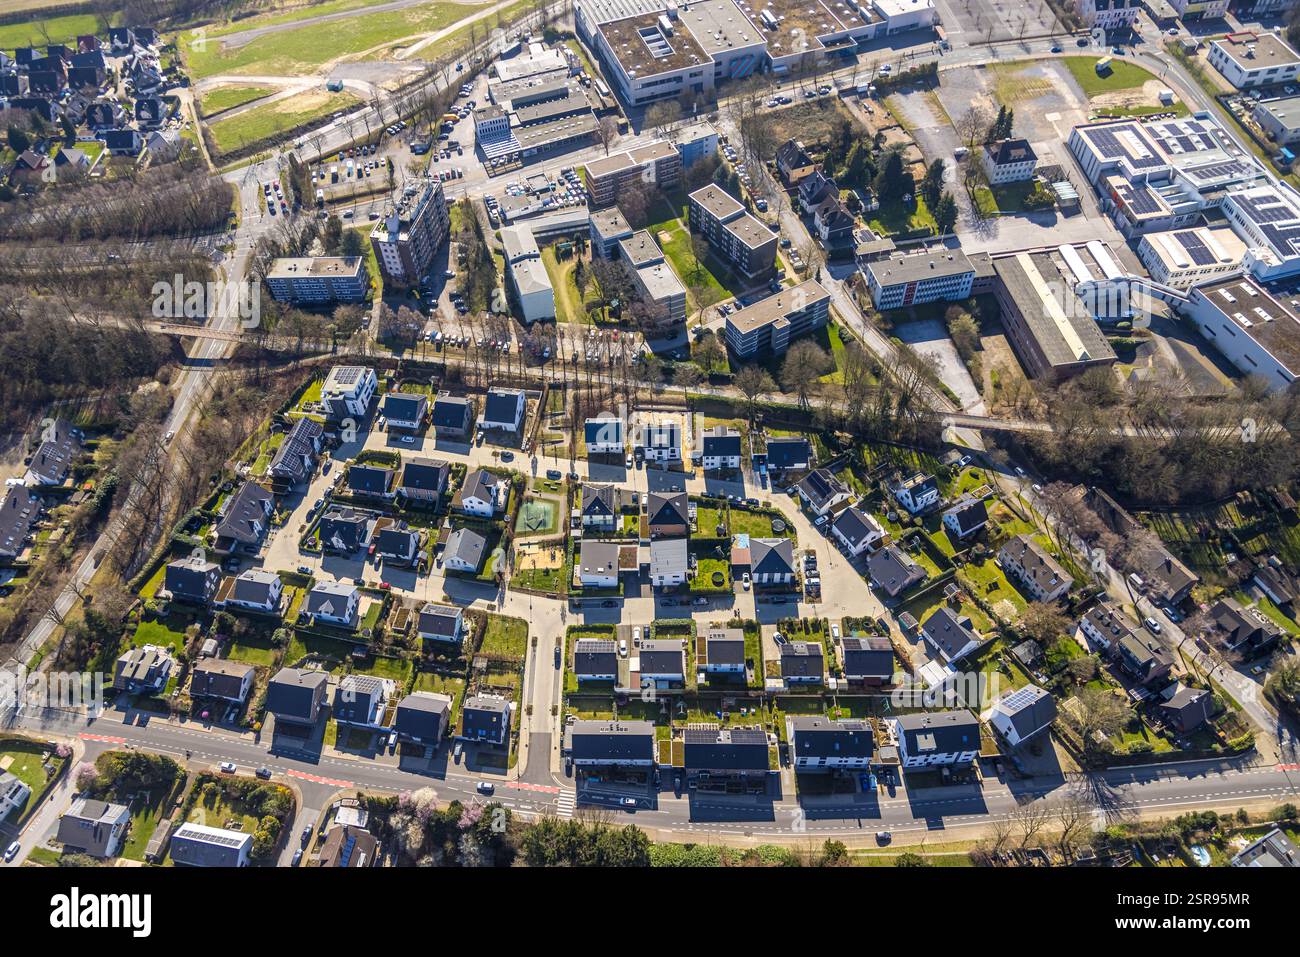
<point x="24" y="763"/>
<point x="263" y="122"/>
<point x="1121" y="76"/>
<point x="146" y="813"/>
<point x="895" y="217"/>
<point x="165" y="632"/>
<point x="505" y="636"/>
<point x="568" y="301"/>
<point x="229" y="97"/>
<point x="254" y="650"/>
<point x="60" y="29"/>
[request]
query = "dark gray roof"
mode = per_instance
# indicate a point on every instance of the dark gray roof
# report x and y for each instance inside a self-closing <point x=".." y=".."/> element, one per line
<point x="721" y="440"/>
<point x="295" y="694"/>
<point x="820" y="486"/>
<point x="218" y="677"/>
<point x="1005" y="152"/>
<point x="426" y="475"/>
<point x="356" y="696"/>
<point x="820" y="737"/>
<point x="405" y="406"/>
<point x="192" y="578"/>
<point x="486" y="714"/>
<point x="329" y="598"/>
<point x="370" y="479"/>
<point x="503" y="405"/>
<point x="603" y="430"/>
<point x="891" y="569"/>
<point x="947" y="633"/>
<point x="1029" y="709"/>
<point x="802" y="659"/>
<point x="298" y="448"/>
<point x="399" y="541"/>
<point x="725" y="647"/>
<point x="18" y="512"/>
<point x="344" y="529"/>
<point x="422" y="714"/>
<point x="734" y="749"/>
<point x="251" y="504"/>
<point x="855" y="525"/>
<point x="198" y="845"/>
<point x="254" y="586"/>
<point x="788" y="452"/>
<point x="662" y="656"/>
<point x="771" y="556"/>
<point x="438" y="619"/>
<point x="1189" y="707"/>
<point x="595" y="656"/>
<point x="598" y="500"/>
<point x="969" y="513"/>
<point x="52" y="459"/>
<point x="479" y="484"/>
<point x="612" y="741"/>
<point x="942" y="732"/>
<point x="88" y="825"/>
<point x="667" y="508"/>
<point x="452" y="412"/>
<point x="867" y="657"/>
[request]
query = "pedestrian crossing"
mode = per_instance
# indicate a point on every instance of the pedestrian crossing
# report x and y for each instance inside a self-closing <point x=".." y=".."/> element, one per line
<point x="565" y="805"/>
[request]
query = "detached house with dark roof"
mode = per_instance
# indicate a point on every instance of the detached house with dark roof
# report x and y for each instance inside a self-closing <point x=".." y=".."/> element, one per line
<point x="1023" y="714"/>
<point x="598" y="564"/>
<point x="221" y="678"/>
<point x="344" y="530"/>
<point x="964" y="517"/>
<point x="1186" y="708"/>
<point x="600" y="507"/>
<point x="485" y="719"/>
<point x="721" y="651"/>
<point x="194" y="580"/>
<point x="333" y="603"/>
<point x="723" y="758"/>
<point x="802" y="662"/>
<point x="483" y="494"/>
<point x="867" y="660"/>
<point x="464" y="551"/>
<point x="1240" y="630"/>
<point x="857" y="531"/>
<point x="821" y="491"/>
<point x="361" y="700"/>
<point x="667" y="514"/>
<point x="399" y="544"/>
<point x="424" y="481"/>
<point x="917" y="493"/>
<point x="720" y="449"/>
<point x="371" y="481"/>
<point x="1143" y="658"/>
<point x="595" y="659"/>
<point x="256" y="590"/>
<point x="296" y="696"/>
<point x="19" y="511"/>
<point x="950" y="638"/>
<point x="453" y="416"/>
<point x="143" y="670"/>
<point x="295" y="459"/>
<point x="1034" y="570"/>
<point x="92" y="827"/>
<point x="937" y="738"/>
<point x="404" y="411"/>
<point x="893" y="571"/>
<point x="503" y="410"/>
<point x="1009" y="161"/>
<point x="422" y="717"/>
<point x="661" y="442"/>
<point x="605" y="435"/>
<point x="245" y="520"/>
<point x="818" y="744"/>
<point x="771" y="561"/>
<point x="53" y="458"/>
<point x="793" y="162"/>
<point x="444" y="623"/>
<point x="624" y="744"/>
<point x="659" y="661"/>
<point x="788" y="454"/>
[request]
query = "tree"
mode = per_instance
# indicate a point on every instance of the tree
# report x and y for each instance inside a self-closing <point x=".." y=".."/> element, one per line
<point x="971" y="126"/>
<point x="1043" y="623"/>
<point x="964" y="330"/>
<point x="753" y="381"/>
<point x="932" y="185"/>
<point x="687" y="375"/>
<point x="1098" y="711"/>
<point x="893" y="181"/>
<point x="18" y="140"/>
<point x="910" y="859"/>
<point x="945" y="214"/>
<point x="804" y="364"/>
<point x="660" y="116"/>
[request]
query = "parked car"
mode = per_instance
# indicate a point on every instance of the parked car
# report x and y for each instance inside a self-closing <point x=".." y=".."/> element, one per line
<point x="1152" y="625"/>
<point x="12" y="851"/>
<point x="227" y="767"/>
<point x="297" y="857"/>
<point x="264" y="773"/>
<point x="745" y="581"/>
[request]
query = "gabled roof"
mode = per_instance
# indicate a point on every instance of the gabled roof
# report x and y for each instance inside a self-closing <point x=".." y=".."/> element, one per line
<point x="791" y="155"/>
<point x="479" y="484"/>
<point x="595" y="656"/>
<point x="299" y="446"/>
<point x="52" y="459"/>
<point x="426" y="475"/>
<point x="667" y="508"/>
<point x="1029" y="709"/>
<point x="503" y="405"/>
<point x="968" y="512"/>
<point x="788" y="452"/>
<point x="466" y="545"/>
<point x="254" y="586"/>
<point x="820" y="486"/>
<point x="802" y="659"/>
<point x="771" y="556"/>
<point x="251" y="504"/>
<point x="856" y="526"/>
<point x="439" y="619"/>
<point x="1005" y="152"/>
<point x="405" y="406"/>
<point x="893" y="570"/>
<point x="867" y="657"/>
<point x="949" y="634"/>
<point x="725" y="749"/>
<point x="397" y="540"/>
<point x="370" y="479"/>
<point x="1038" y="563"/>
<point x="344" y="529"/>
<point x="597" y="500"/>
<point x="330" y="598"/>
<point x="451" y="412"/>
<point x="611" y="741"/>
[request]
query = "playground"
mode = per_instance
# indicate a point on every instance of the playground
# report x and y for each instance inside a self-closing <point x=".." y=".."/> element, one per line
<point x="538" y="516"/>
<point x="539" y="556"/>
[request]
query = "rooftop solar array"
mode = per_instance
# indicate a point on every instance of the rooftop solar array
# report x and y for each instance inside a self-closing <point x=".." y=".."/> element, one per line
<point x="1197" y="249"/>
<point x="1124" y="141"/>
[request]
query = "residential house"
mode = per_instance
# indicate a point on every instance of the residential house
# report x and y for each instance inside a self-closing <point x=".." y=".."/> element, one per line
<point x="245" y="519"/>
<point x="714" y="757"/>
<point x="659" y="662"/>
<point x="295" y="459"/>
<point x="361" y="700"/>
<point x="598" y="564"/>
<point x="604" y="435"/>
<point x="71" y="162"/>
<point x="399" y="544"/>
<point x="344" y="530"/>
<point x="668" y="562"/>
<point x="815" y="189"/>
<point x="1034" y="569"/>
<point x="667" y="514"/>
<point x="1009" y="161"/>
<point x="197" y="845"/>
<point x="821" y="491"/>
<point x="143" y="670"/>
<point x="1274" y="849"/>
<point x="917" y="493"/>
<point x="721" y="651"/>
<point x="1186" y="708"/>
<point x="441" y="623"/>
<point x="611" y="744"/>
<point x="453" y="416"/>
<point x="771" y="561"/>
<point x="964" y="517"/>
<point x="793" y="162"/>
<point x="296" y="696"/>
<point x="405" y="411"/>
<point x="53" y="458"/>
<point x="662" y="442"/>
<point x="1143" y="658"/>
<point x="371" y="481"/>
<point x="483" y="494"/>
<point x="595" y="659"/>
<point x="1106" y="626"/>
<point x="833" y="223"/>
<point x="221" y="678"/>
<point x="256" y="590"/>
<point x="347" y="845"/>
<point x="485" y="719"/>
<point x="127" y="142"/>
<point x="857" y="531"/>
<point x="802" y="662"/>
<point x="14" y="794"/>
<point x="1166" y="577"/>
<point x="164" y="146"/>
<point x="867" y="660"/>
<point x="1242" y="631"/>
<point x="1023" y="714"/>
<point x="1276" y="584"/>
<point x="893" y="571"/>
<point x="935" y="738"/>
<point x="333" y="603"/>
<point x="504" y="410"/>
<point x="149" y="112"/>
<point x="105" y="115"/>
<point x="194" y="580"/>
<point x="19" y="512"/>
<point x="92" y="827"/>
<point x="422" y="717"/>
<point x="464" y="551"/>
<point x="819" y="744"/>
<point x="347" y="392"/>
<point x="788" y="454"/>
<point x="424" y="481"/>
<point x="600" y="507"/>
<point x="30" y="167"/>
<point x="720" y="449"/>
<point x="949" y="638"/>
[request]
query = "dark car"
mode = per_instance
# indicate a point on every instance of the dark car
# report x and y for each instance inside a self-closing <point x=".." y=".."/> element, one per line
<point x="306" y="834"/>
<point x="264" y="773"/>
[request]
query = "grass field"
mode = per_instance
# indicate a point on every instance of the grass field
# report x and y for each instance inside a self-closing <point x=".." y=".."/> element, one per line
<point x="229" y="97"/>
<point x="60" y="29"/>
<point x="263" y="122"/>
<point x="505" y="636"/>
<point x="1121" y="76"/>
<point x="895" y="217"/>
<point x="301" y="51"/>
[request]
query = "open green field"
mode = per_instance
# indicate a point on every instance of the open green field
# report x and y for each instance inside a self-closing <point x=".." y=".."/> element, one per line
<point x="301" y="51"/>
<point x="24" y="763"/>
<point x="60" y="30"/>
<point x="505" y="636"/>
<point x="263" y="122"/>
<point x="167" y="632"/>
<point x="229" y="97"/>
<point x="896" y="217"/>
<point x="1121" y="76"/>
<point x="568" y="301"/>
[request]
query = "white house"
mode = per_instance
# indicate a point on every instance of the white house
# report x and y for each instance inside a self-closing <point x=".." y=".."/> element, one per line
<point x="1009" y="161"/>
<point x="600" y="507"/>
<point x="857" y="531"/>
<point x="1021" y="714"/>
<point x="1033" y="569"/>
<point x="949" y="637"/>
<point x="721" y="651"/>
<point x="464" y="551"/>
<point x="917" y="493"/>
<point x="598" y="564"/>
<point x="936" y="738"/>
<point x="503" y="410"/>
<point x="604" y="435"/>
<point x="668" y="562"/>
<point x="256" y="590"/>
<point x="821" y="491"/>
<point x="441" y="623"/>
<point x="771" y="561"/>
<point x="662" y="442"/>
<point x="820" y="744"/>
<point x="348" y="391"/>
<point x="483" y="494"/>
<point x="13" y="794"/>
<point x="965" y="517"/>
<point x="333" y="603"/>
<point x="720" y="448"/>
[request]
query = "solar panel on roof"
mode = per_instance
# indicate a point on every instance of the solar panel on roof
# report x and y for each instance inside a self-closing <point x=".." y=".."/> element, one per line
<point x="1199" y="252"/>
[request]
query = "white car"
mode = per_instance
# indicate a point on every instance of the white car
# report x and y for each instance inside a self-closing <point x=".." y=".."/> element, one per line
<point x="227" y="767"/>
<point x="12" y="851"/>
<point x="835" y="632"/>
<point x="745" y="580"/>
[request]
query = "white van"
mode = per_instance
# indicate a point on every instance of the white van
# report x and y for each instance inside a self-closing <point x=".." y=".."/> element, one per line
<point x="1136" y="581"/>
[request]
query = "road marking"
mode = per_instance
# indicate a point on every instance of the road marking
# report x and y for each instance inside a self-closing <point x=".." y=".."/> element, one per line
<point x="540" y="788"/>
<point x="318" y="779"/>
<point x="102" y="737"/>
<point x="565" y="804"/>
